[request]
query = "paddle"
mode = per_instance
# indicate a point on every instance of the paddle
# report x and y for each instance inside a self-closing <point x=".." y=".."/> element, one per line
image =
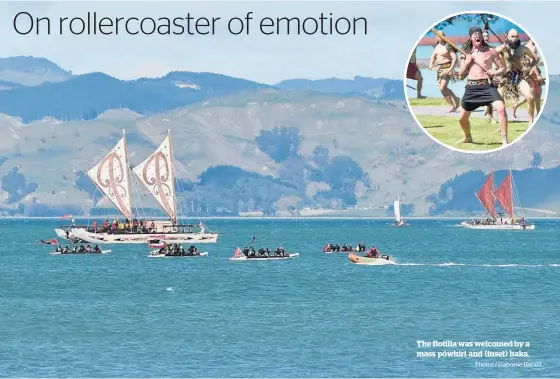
<point x="250" y="244"/>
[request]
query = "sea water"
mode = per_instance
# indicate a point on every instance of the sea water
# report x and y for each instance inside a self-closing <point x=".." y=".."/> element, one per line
<point x="126" y="315"/>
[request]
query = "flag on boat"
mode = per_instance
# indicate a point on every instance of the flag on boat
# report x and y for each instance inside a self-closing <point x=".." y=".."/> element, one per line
<point x="238" y="253"/>
<point x="157" y="245"/>
<point x="157" y="242"/>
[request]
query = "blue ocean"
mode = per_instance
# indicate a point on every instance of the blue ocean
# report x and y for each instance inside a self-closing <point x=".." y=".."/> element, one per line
<point x="126" y="315"/>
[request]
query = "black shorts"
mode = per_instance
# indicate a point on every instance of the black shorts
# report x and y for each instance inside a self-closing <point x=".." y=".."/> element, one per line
<point x="479" y="96"/>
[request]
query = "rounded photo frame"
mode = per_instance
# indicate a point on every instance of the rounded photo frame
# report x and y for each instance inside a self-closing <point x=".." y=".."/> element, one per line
<point x="442" y="116"/>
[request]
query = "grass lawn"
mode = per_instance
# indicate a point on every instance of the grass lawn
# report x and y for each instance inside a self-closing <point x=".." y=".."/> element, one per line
<point x="440" y="101"/>
<point x="486" y="136"/>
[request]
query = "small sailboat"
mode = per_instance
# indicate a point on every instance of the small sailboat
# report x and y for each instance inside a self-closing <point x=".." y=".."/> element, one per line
<point x="504" y="195"/>
<point x="113" y="178"/>
<point x="399" y="221"/>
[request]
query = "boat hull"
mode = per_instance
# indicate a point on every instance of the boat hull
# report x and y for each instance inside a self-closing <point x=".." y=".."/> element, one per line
<point x="155" y="254"/>
<point x="399" y="225"/>
<point x="356" y="259"/>
<point x="61" y="233"/>
<point x="141" y="238"/>
<point x="81" y="253"/>
<point x="265" y="258"/>
<point x="469" y="225"/>
<point x="339" y="252"/>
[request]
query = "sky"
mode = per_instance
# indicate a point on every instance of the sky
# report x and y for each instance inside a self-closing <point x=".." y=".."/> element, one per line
<point x="460" y="27"/>
<point x="393" y="28"/>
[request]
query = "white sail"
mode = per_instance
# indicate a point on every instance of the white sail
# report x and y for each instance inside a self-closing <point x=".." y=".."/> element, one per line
<point x="158" y="175"/>
<point x="112" y="177"/>
<point x="397" y="209"/>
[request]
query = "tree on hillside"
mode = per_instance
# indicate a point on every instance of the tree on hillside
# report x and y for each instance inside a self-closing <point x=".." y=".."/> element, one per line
<point x="293" y="171"/>
<point x="84" y="183"/>
<point x="14" y="183"/>
<point x="224" y="176"/>
<point x="343" y="172"/>
<point x="471" y="18"/>
<point x="537" y="159"/>
<point x="238" y="190"/>
<point x="320" y="156"/>
<point x="279" y="143"/>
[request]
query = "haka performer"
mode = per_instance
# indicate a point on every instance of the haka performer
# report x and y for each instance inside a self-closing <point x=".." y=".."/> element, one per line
<point x="535" y="79"/>
<point x="477" y="64"/>
<point x="516" y="79"/>
<point x="413" y="72"/>
<point x="445" y="57"/>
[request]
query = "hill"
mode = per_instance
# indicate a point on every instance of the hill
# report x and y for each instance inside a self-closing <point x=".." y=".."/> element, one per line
<point x="55" y="92"/>
<point x="268" y="150"/>
<point x="31" y="71"/>
<point x="242" y="146"/>
<point x="86" y="96"/>
<point x="379" y="89"/>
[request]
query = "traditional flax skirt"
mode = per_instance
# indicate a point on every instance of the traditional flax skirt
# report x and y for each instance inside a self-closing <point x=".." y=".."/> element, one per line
<point x="443" y="67"/>
<point x="510" y="86"/>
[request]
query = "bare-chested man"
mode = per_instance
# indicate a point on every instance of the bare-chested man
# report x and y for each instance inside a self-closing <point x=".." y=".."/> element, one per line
<point x="445" y="57"/>
<point x="413" y="72"/>
<point x="536" y="81"/>
<point x="480" y="90"/>
<point x="515" y="81"/>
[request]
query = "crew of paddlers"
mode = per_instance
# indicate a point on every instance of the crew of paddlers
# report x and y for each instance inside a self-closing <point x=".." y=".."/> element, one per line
<point x="177" y="250"/>
<point x="250" y="252"/>
<point x="344" y="248"/>
<point x="78" y="249"/>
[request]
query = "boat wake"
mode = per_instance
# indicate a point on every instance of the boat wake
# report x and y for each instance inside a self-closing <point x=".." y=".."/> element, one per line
<point x="478" y="265"/>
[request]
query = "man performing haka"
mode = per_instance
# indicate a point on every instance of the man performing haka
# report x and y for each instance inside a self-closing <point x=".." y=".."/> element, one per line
<point x="480" y="90"/>
<point x="515" y="81"/>
<point x="446" y="58"/>
<point x="536" y="81"/>
<point x="412" y="72"/>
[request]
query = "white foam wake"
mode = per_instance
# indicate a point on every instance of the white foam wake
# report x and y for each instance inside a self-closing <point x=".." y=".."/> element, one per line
<point x="478" y="265"/>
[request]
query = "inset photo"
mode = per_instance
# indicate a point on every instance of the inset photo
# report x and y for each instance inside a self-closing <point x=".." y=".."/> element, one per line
<point x="476" y="82"/>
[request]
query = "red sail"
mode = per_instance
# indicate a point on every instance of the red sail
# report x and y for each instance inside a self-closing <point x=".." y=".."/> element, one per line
<point x="485" y="195"/>
<point x="504" y="195"/>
